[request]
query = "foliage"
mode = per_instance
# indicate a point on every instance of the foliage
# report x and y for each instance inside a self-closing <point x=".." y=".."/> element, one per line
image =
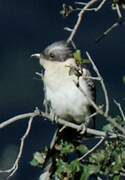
<point x="79" y="59"/>
<point x="107" y="161"/>
<point x="39" y="158"/>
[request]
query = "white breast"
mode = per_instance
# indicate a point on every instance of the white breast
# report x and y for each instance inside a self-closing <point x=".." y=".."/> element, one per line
<point x="67" y="101"/>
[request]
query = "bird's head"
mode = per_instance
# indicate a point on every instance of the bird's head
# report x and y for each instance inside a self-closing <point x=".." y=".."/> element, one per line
<point x="58" y="52"/>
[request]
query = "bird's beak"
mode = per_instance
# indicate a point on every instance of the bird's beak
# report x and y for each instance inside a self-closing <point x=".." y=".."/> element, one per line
<point x="36" y="56"/>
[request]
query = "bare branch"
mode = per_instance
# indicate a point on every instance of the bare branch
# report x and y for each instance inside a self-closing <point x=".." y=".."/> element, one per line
<point x="14" y="168"/>
<point x="80" y="16"/>
<point x="93" y="9"/>
<point x="120" y="109"/>
<point x="100" y="5"/>
<point x="43" y="114"/>
<point x="113" y="26"/>
<point x="93" y="78"/>
<point x="102" y="84"/>
<point x="118" y="11"/>
<point x="92" y="149"/>
<point x="81" y="3"/>
<point x="68" y="29"/>
<point x="81" y="13"/>
<point x="95" y="106"/>
<point x="17" y="118"/>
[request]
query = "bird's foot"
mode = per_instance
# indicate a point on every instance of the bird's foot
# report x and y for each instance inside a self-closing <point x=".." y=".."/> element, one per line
<point x="82" y="128"/>
<point x="53" y="116"/>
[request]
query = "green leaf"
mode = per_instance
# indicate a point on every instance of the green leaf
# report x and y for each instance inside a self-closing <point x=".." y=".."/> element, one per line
<point x="117" y="164"/>
<point x="38" y="158"/>
<point x="82" y="149"/>
<point x="98" y="157"/>
<point x="75" y="166"/>
<point x="77" y="56"/>
<point x="66" y="148"/>
<point x="79" y="59"/>
<point x="63" y="168"/>
<point x="34" y="162"/>
<point x="108" y="127"/>
<point x="86" y="61"/>
<point x="88" y="170"/>
<point x="117" y="177"/>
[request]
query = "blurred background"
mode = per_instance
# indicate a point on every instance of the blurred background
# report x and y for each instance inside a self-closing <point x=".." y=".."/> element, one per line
<point x="27" y="27"/>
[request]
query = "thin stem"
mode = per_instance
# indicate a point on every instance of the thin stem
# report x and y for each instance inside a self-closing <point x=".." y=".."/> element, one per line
<point x="102" y="84"/>
<point x="120" y="109"/>
<point x="80" y="16"/>
<point x="92" y="149"/>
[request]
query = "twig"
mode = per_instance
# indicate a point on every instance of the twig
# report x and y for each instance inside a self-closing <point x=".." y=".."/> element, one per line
<point x="43" y="114"/>
<point x="19" y="117"/>
<point x="95" y="106"/>
<point x="81" y="3"/>
<point x="107" y="31"/>
<point x="95" y="113"/>
<point x="92" y="149"/>
<point x="14" y="168"/>
<point x="100" y="5"/>
<point x="93" y="78"/>
<point x="96" y="132"/>
<point x="92" y="9"/>
<point x="102" y="84"/>
<point x="118" y="11"/>
<point x="120" y="109"/>
<point x="60" y="121"/>
<point x="112" y="27"/>
<point x="68" y="29"/>
<point x="80" y="15"/>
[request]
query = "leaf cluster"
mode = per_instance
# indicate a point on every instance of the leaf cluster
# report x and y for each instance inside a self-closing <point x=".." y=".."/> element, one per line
<point x="107" y="161"/>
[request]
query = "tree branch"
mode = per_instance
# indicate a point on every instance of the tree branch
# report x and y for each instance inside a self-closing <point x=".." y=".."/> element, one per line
<point x="120" y="109"/>
<point x="102" y="84"/>
<point x="19" y="117"/>
<point x="14" y="168"/>
<point x="78" y="22"/>
<point x="92" y="149"/>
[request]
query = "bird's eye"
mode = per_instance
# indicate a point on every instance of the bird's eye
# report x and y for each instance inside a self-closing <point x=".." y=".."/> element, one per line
<point x="52" y="55"/>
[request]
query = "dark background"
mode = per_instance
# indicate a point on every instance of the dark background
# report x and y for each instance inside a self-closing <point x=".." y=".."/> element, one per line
<point x="26" y="27"/>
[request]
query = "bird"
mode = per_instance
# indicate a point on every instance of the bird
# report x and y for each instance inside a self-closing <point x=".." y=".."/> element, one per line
<point x="67" y="91"/>
<point x="67" y="100"/>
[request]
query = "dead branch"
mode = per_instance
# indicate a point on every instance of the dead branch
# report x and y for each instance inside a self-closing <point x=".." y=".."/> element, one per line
<point x="101" y="82"/>
<point x="14" y="168"/>
<point x="19" y="117"/>
<point x="92" y="149"/>
<point x="120" y="109"/>
<point x="80" y="17"/>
